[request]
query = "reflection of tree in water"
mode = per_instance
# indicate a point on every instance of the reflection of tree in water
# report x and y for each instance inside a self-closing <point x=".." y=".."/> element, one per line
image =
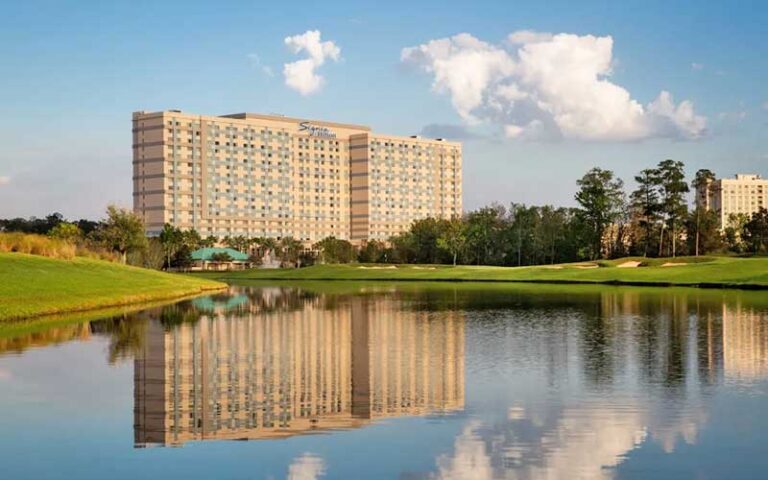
<point x="660" y="356"/>
<point x="597" y="344"/>
<point x="50" y="336"/>
<point x="126" y="335"/>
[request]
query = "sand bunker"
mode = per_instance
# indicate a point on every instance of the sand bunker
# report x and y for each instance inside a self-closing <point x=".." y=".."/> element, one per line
<point x="552" y="267"/>
<point x="629" y="264"/>
<point x="673" y="264"/>
<point x="378" y="268"/>
<point x="423" y="268"/>
<point x="582" y="267"/>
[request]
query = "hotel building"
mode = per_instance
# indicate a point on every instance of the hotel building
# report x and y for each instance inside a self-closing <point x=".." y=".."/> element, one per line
<point x="745" y="194"/>
<point x="273" y="176"/>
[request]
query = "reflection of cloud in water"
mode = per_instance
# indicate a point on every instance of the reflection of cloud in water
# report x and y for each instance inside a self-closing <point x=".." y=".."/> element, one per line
<point x="5" y="374"/>
<point x="577" y="442"/>
<point x="470" y="458"/>
<point x="580" y="395"/>
<point x="306" y="467"/>
<point x="584" y="443"/>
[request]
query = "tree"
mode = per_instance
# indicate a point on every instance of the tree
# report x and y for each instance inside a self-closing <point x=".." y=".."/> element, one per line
<point x="756" y="231"/>
<point x="333" y="250"/>
<point x="645" y="202"/>
<point x="183" y="258"/>
<point x="453" y="239"/>
<point x="151" y="257"/>
<point x="262" y="246"/>
<point x="600" y="198"/>
<point x="87" y="226"/>
<point x="673" y="204"/>
<point x="192" y="239"/>
<point x="239" y="243"/>
<point x="154" y="255"/>
<point x="209" y="241"/>
<point x="402" y="249"/>
<point x="733" y="232"/>
<point x="221" y="257"/>
<point x="290" y="251"/>
<point x="371" y="251"/>
<point x="484" y="230"/>
<point x="66" y="231"/>
<point x="701" y="183"/>
<point x="171" y="238"/>
<point x="520" y="235"/>
<point x="122" y="231"/>
<point x="424" y="236"/>
<point x="703" y="231"/>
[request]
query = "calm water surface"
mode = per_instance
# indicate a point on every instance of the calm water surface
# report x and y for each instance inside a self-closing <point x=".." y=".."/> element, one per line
<point x="381" y="381"/>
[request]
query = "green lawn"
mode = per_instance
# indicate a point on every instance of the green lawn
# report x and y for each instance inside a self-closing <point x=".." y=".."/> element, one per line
<point x="716" y="272"/>
<point x="34" y="285"/>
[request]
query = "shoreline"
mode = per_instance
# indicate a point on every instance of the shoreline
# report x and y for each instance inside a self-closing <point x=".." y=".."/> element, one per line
<point x="128" y="302"/>
<point x="35" y="286"/>
<point x="726" y="273"/>
<point x="613" y="283"/>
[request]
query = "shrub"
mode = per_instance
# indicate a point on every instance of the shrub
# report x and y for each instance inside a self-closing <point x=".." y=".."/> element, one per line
<point x="46" y="246"/>
<point x="34" y="244"/>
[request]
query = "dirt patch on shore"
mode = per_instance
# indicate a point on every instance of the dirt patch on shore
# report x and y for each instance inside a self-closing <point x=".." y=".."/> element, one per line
<point x="629" y="264"/>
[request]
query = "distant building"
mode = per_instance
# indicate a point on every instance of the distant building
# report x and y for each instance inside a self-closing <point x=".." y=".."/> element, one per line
<point x="273" y="176"/>
<point x="744" y="194"/>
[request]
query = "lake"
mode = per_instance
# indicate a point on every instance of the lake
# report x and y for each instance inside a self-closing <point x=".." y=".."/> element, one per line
<point x="407" y="381"/>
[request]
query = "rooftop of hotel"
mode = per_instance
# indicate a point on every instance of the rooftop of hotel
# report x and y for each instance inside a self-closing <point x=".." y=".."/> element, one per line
<point x="282" y="118"/>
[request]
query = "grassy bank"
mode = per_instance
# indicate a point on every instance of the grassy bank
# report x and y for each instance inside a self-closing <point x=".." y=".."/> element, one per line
<point x="712" y="272"/>
<point x="32" y="285"/>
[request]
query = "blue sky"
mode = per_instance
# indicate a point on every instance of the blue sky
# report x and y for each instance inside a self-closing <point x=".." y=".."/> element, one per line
<point x="73" y="73"/>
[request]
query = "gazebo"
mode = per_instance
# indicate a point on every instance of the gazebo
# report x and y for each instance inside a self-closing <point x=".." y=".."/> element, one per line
<point x="215" y="258"/>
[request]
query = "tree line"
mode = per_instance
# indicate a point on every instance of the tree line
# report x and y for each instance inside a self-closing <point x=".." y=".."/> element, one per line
<point x="653" y="220"/>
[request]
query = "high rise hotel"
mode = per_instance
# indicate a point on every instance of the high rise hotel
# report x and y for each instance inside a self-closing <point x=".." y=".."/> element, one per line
<point x="745" y="194"/>
<point x="273" y="176"/>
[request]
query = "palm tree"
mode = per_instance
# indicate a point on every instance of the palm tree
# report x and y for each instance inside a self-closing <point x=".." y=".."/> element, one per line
<point x="269" y="245"/>
<point x="290" y="251"/>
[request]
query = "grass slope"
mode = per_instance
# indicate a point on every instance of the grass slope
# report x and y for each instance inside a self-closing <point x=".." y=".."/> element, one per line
<point x="714" y="272"/>
<point x="33" y="285"/>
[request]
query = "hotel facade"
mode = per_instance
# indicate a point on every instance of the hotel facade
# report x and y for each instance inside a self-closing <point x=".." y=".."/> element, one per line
<point x="744" y="194"/>
<point x="273" y="176"/>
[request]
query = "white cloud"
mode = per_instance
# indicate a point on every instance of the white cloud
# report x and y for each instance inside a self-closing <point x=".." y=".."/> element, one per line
<point x="697" y="66"/>
<point x="737" y="116"/>
<point x="4" y="180"/>
<point x="306" y="467"/>
<point x="765" y="105"/>
<point x="522" y="37"/>
<point x="256" y="62"/>
<point x="301" y="75"/>
<point x="547" y="86"/>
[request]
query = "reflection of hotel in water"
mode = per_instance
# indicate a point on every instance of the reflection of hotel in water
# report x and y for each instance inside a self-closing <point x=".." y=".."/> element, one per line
<point x="731" y="338"/>
<point x="745" y="343"/>
<point x="292" y="372"/>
